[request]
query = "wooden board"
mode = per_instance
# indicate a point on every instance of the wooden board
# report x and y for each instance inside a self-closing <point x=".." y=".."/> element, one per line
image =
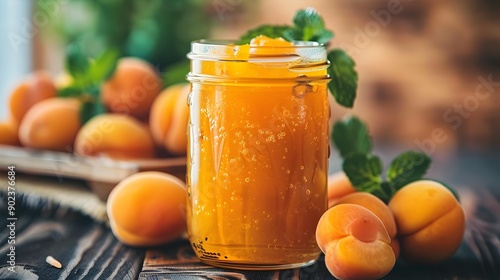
<point x="101" y="174"/>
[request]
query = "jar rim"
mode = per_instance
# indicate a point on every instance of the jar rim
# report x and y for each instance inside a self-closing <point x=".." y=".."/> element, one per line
<point x="306" y="51"/>
<point x="296" y="44"/>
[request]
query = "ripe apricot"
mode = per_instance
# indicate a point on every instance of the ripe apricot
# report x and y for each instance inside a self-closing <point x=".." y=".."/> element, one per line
<point x="355" y="242"/>
<point x="147" y="208"/>
<point x="379" y="208"/>
<point x="132" y="88"/>
<point x="51" y="124"/>
<point x="168" y="119"/>
<point x="116" y="136"/>
<point x="36" y="87"/>
<point x="268" y="46"/>
<point x="430" y="222"/>
<point x="338" y="187"/>
<point x="8" y="134"/>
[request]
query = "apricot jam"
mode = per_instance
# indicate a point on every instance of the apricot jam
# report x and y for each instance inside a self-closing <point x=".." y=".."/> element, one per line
<point x="257" y="153"/>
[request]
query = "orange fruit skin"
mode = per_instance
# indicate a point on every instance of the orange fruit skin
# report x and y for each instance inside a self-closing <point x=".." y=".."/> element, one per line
<point x="51" y="124"/>
<point x="35" y="88"/>
<point x="355" y="243"/>
<point x="169" y="117"/>
<point x="115" y="136"/>
<point x="147" y="209"/>
<point x="379" y="208"/>
<point x="430" y="222"/>
<point x="8" y="134"/>
<point x="132" y="88"/>
<point x="338" y="187"/>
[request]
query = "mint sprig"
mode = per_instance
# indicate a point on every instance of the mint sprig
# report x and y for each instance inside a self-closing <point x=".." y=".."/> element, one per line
<point x="308" y="25"/>
<point x="364" y="169"/>
<point x="87" y="77"/>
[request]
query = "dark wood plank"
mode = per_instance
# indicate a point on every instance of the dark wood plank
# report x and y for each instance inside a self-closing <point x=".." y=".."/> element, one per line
<point x="85" y="248"/>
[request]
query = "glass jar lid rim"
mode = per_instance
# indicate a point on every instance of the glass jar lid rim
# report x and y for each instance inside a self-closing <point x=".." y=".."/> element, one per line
<point x="225" y="43"/>
<point x="227" y="50"/>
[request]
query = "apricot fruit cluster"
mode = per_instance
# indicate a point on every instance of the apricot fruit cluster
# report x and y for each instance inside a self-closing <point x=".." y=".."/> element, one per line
<point x="141" y="120"/>
<point x="361" y="236"/>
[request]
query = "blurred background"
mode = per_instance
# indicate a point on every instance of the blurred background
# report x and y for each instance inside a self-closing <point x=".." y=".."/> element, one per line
<point x="429" y="70"/>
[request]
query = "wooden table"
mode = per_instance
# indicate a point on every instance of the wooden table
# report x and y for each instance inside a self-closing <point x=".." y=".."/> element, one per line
<point x="88" y="250"/>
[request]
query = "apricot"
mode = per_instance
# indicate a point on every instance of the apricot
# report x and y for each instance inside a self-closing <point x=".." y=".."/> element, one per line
<point x="379" y="208"/>
<point x="430" y="222"/>
<point x="355" y="243"/>
<point x="115" y="136"/>
<point x="168" y="119"/>
<point x="338" y="187"/>
<point x="147" y="209"/>
<point x="8" y="134"/>
<point x="270" y="46"/>
<point x="132" y="88"/>
<point x="35" y="88"/>
<point x="51" y="124"/>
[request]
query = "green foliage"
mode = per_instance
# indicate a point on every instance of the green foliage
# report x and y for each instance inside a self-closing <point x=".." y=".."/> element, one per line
<point x="308" y="26"/>
<point x="159" y="31"/>
<point x="406" y="168"/>
<point x="176" y="74"/>
<point x="87" y="77"/>
<point x="351" y="137"/>
<point x="364" y="169"/>
<point x="344" y="81"/>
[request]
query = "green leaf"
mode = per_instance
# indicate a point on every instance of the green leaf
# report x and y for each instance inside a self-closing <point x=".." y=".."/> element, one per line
<point x="70" y="91"/>
<point x="271" y="31"/>
<point x="406" y="168"/>
<point x="364" y="171"/>
<point x="344" y="81"/>
<point x="309" y="26"/>
<point x="103" y="66"/>
<point x="77" y="63"/>
<point x="89" y="109"/>
<point x="176" y="73"/>
<point x="350" y="136"/>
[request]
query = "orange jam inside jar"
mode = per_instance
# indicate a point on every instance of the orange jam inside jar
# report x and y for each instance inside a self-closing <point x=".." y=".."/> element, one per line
<point x="258" y="152"/>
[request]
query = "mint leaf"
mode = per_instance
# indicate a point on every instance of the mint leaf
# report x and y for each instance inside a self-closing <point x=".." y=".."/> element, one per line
<point x="77" y="63"/>
<point x="309" y="26"/>
<point x="406" y="168"/>
<point x="344" y="81"/>
<point x="364" y="171"/>
<point x="176" y="73"/>
<point x="350" y="136"/>
<point x="102" y="67"/>
<point x="271" y="31"/>
<point x="70" y="91"/>
<point x="91" y="108"/>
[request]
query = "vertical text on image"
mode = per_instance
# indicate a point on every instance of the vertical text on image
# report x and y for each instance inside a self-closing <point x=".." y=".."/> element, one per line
<point x="11" y="217"/>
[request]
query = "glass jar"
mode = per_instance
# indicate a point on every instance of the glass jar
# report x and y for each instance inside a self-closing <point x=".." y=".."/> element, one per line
<point x="258" y="153"/>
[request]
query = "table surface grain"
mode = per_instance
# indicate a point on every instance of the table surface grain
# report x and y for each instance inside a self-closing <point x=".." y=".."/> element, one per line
<point x="88" y="250"/>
